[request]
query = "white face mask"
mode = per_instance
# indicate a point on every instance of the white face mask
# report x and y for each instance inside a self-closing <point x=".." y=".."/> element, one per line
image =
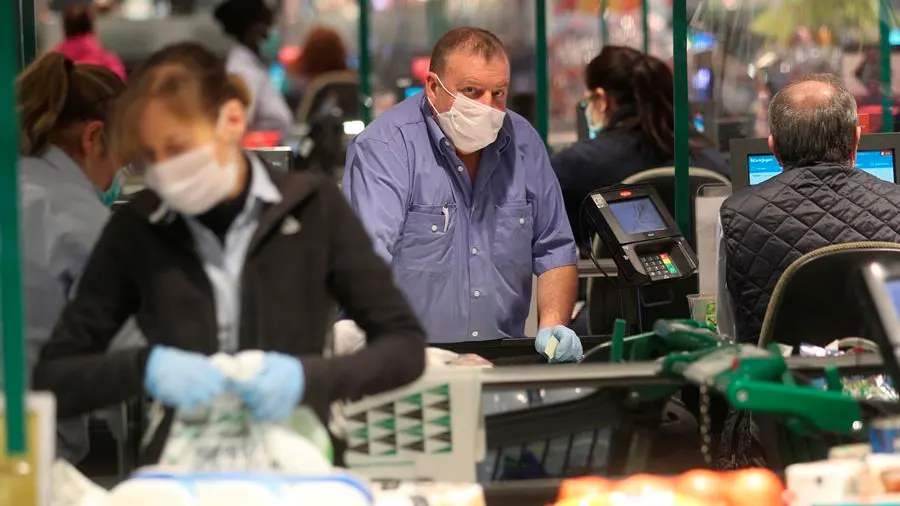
<point x="193" y="182"/>
<point x="470" y="125"/>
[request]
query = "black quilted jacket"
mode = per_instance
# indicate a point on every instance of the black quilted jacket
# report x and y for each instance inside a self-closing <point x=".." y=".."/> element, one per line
<point x="768" y="226"/>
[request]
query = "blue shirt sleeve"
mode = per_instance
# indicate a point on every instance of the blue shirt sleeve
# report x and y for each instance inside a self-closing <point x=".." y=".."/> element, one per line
<point x="554" y="245"/>
<point x="376" y="182"/>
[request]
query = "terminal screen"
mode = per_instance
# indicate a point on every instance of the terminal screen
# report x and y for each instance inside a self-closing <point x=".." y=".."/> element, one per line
<point x="879" y="163"/>
<point x="637" y="216"/>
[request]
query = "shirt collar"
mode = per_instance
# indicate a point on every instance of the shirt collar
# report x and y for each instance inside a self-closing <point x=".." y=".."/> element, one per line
<point x="62" y="162"/>
<point x="261" y="186"/>
<point x="439" y="139"/>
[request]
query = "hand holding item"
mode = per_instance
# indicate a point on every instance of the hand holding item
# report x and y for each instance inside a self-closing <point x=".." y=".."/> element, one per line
<point x="273" y="394"/>
<point x="559" y="344"/>
<point x="182" y="379"/>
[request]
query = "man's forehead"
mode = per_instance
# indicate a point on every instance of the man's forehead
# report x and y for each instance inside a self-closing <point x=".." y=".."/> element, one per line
<point x="466" y="65"/>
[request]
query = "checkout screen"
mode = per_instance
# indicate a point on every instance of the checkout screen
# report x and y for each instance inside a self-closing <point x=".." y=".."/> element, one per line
<point x="878" y="163"/>
<point x="893" y="288"/>
<point x="637" y="216"/>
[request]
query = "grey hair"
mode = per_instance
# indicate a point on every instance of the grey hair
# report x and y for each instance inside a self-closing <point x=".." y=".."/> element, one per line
<point x="810" y="130"/>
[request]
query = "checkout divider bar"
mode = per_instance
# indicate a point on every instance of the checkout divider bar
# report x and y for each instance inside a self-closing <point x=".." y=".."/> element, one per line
<point x="645" y="373"/>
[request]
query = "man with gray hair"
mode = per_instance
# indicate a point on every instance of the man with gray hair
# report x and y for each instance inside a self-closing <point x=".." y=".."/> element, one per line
<point x="459" y="197"/>
<point x="818" y="200"/>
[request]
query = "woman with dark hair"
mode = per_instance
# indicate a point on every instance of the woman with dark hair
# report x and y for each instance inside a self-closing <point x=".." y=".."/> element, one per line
<point x="81" y="44"/>
<point x="628" y="104"/>
<point x="249" y="24"/>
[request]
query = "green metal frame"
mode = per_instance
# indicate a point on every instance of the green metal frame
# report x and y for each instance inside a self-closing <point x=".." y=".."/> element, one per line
<point x="11" y="315"/>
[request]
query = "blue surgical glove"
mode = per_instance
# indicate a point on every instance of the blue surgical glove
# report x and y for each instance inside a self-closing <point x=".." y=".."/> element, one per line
<point x="182" y="379"/>
<point x="568" y="345"/>
<point x="274" y="393"/>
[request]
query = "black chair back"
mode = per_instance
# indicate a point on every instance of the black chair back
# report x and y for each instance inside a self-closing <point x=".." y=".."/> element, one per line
<point x="815" y="300"/>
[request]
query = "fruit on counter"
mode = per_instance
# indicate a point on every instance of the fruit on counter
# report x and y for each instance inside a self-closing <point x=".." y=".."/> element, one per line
<point x="644" y="484"/>
<point x="699" y="487"/>
<point x="703" y="484"/>
<point x="620" y="499"/>
<point x="584" y="486"/>
<point x="752" y="487"/>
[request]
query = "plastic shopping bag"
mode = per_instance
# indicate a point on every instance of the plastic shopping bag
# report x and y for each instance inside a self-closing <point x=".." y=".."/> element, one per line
<point x="224" y="438"/>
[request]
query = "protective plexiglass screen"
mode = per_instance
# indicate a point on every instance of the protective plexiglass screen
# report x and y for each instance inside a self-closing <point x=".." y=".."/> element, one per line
<point x="878" y="163"/>
<point x="637" y="216"/>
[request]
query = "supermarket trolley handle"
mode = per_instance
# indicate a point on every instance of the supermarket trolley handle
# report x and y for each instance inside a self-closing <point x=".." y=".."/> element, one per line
<point x="828" y="411"/>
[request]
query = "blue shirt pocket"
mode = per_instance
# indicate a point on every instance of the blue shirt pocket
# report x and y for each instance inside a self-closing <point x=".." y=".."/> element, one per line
<point x="513" y="235"/>
<point x="426" y="240"/>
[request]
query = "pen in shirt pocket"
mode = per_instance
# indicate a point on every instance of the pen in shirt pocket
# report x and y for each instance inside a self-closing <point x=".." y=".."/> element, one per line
<point x="446" y="212"/>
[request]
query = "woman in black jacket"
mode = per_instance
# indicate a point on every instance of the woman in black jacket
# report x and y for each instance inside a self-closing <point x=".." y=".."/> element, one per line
<point x="223" y="254"/>
<point x="629" y="107"/>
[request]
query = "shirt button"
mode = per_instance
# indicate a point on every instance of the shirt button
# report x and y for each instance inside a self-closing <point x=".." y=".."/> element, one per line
<point x="459" y="169"/>
<point x="474" y="251"/>
<point x="475" y="334"/>
<point x="476" y="294"/>
<point x="434" y="228"/>
<point x="521" y="221"/>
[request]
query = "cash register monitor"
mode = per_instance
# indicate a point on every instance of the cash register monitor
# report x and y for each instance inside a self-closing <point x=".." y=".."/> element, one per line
<point x="752" y="162"/>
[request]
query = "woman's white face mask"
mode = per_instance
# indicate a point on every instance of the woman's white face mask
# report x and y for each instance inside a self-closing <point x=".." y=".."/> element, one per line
<point x="470" y="125"/>
<point x="193" y="182"/>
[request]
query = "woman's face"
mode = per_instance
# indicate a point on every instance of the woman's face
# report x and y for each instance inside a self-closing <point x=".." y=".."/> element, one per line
<point x="597" y="110"/>
<point x="166" y="135"/>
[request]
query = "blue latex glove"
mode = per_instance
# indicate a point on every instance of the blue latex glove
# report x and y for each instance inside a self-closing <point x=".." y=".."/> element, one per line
<point x="568" y="345"/>
<point x="274" y="393"/>
<point x="182" y="379"/>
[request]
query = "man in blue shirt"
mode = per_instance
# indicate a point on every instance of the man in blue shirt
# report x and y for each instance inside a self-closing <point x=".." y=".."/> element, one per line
<point x="459" y="197"/>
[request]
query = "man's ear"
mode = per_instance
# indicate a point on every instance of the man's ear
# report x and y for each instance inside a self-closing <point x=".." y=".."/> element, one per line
<point x="773" y="150"/>
<point x="432" y="87"/>
<point x="232" y="125"/>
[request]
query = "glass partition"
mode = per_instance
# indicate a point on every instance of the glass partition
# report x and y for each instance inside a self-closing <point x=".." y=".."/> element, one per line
<point x="742" y="52"/>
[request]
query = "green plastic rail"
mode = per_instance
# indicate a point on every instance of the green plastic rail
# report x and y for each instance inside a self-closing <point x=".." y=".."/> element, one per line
<point x="682" y="156"/>
<point x="542" y="92"/>
<point x="885" y="14"/>
<point x="365" y="64"/>
<point x="11" y="317"/>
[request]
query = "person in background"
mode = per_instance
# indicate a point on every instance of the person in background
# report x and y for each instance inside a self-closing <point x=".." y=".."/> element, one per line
<point x="81" y="44"/>
<point x="249" y="24"/>
<point x="459" y="196"/>
<point x="68" y="178"/>
<point x="818" y="200"/>
<point x="223" y="254"/>
<point x="323" y="63"/>
<point x="628" y="105"/>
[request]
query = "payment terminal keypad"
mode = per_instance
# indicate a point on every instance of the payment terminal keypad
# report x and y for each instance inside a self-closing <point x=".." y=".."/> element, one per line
<point x="659" y="266"/>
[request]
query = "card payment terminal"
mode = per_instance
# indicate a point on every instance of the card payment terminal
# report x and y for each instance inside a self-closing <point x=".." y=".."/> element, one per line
<point x="640" y="234"/>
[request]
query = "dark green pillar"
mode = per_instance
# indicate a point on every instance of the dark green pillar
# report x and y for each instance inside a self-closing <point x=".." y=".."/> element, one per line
<point x="682" y="157"/>
<point x="542" y="98"/>
<point x="365" y="64"/>
<point x="11" y="317"/>
<point x="887" y="100"/>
